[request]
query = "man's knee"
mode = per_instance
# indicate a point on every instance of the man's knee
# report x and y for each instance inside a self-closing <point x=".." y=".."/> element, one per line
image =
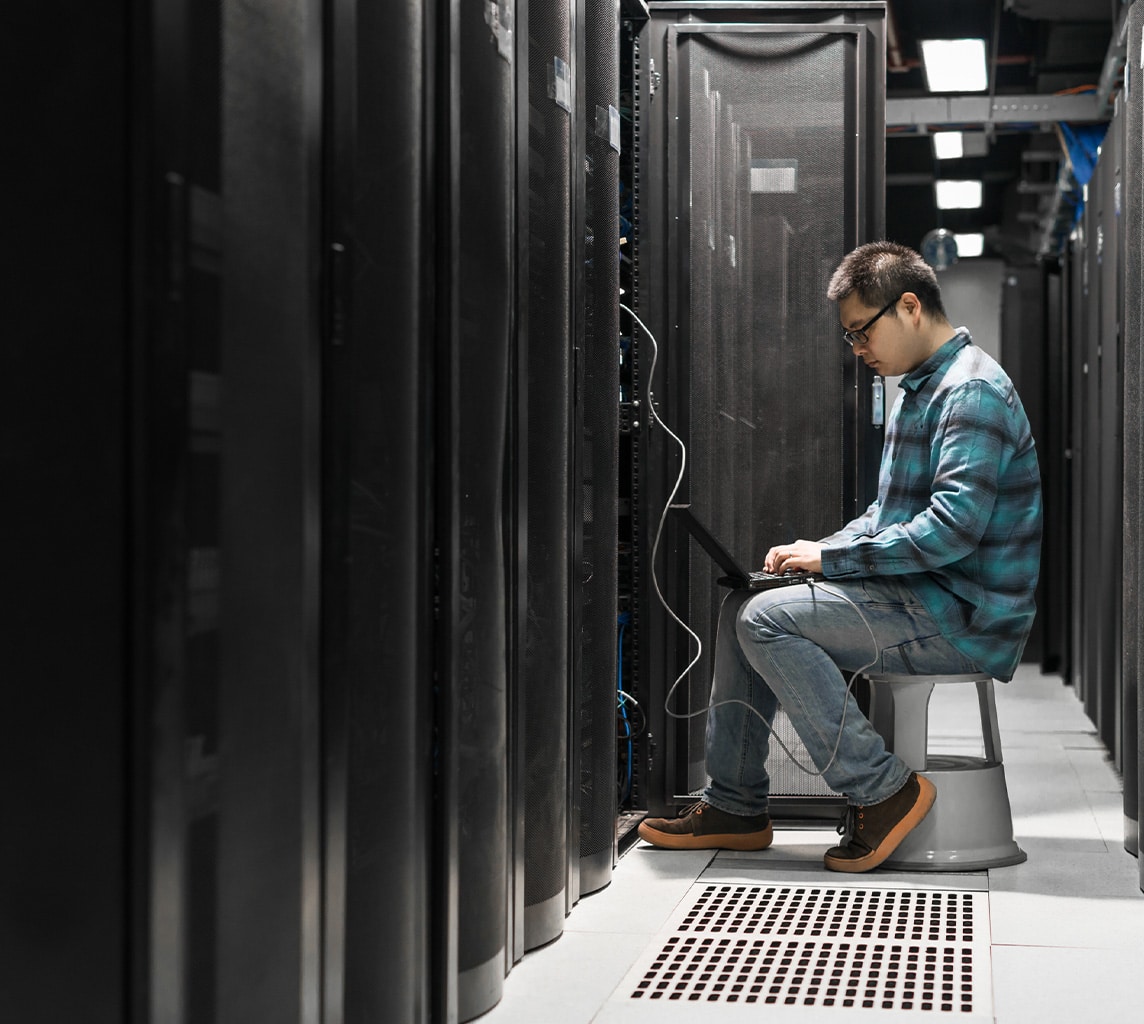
<point x="765" y="617"/>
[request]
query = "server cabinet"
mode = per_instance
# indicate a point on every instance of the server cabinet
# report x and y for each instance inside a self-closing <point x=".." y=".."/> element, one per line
<point x="1089" y="469"/>
<point x="381" y="920"/>
<point x="1132" y="232"/>
<point x="475" y="275"/>
<point x="1079" y="428"/>
<point x="71" y="832"/>
<point x="1055" y="603"/>
<point x="765" y="166"/>
<point x="1109" y="175"/>
<point x="597" y="447"/>
<point x="546" y="664"/>
<point x="1022" y="318"/>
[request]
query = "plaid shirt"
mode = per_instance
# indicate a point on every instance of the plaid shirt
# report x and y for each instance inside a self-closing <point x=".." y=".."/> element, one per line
<point x="958" y="512"/>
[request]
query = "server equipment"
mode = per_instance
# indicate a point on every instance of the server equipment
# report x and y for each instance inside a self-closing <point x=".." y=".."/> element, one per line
<point x="546" y="664"/>
<point x="764" y="167"/>
<point x="1132" y="248"/>
<point x="597" y="449"/>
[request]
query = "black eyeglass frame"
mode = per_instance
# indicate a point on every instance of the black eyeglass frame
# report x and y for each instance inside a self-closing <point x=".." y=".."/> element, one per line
<point x="858" y="337"/>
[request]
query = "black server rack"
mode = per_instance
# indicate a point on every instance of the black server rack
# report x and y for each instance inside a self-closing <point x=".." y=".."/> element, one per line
<point x="748" y="202"/>
<point x="475" y="269"/>
<point x="1023" y="317"/>
<point x="72" y="833"/>
<point x="1109" y="526"/>
<point x="1079" y="429"/>
<point x="635" y="748"/>
<point x="1133" y="402"/>
<point x="1055" y="603"/>
<point x="546" y="666"/>
<point x="597" y="448"/>
<point x="1089" y="469"/>
<point x="377" y="580"/>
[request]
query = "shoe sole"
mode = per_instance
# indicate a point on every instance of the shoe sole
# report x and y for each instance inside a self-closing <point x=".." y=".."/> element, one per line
<point x="910" y="820"/>
<point x="716" y="841"/>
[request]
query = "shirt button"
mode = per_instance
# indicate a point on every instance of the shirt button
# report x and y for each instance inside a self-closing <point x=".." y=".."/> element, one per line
<point x="870" y="566"/>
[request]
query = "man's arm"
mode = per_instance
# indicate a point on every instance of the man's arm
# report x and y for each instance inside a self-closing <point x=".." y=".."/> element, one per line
<point x="976" y="443"/>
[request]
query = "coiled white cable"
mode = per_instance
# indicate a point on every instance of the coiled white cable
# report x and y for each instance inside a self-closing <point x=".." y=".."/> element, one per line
<point x="692" y="634"/>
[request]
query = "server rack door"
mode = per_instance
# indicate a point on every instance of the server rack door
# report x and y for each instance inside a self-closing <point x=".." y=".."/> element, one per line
<point x="1132" y="241"/>
<point x="545" y="670"/>
<point x="1053" y="609"/>
<point x="767" y="175"/>
<point x="1093" y="415"/>
<point x="1023" y="321"/>
<point x="597" y="437"/>
<point x="475" y="107"/>
<point x="1109" y="525"/>
<point x="1078" y="431"/>
<point x="377" y="598"/>
<point x="70" y="911"/>
<point x="268" y="700"/>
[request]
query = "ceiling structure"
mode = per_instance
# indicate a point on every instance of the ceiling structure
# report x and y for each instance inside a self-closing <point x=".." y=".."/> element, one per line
<point x="1050" y="62"/>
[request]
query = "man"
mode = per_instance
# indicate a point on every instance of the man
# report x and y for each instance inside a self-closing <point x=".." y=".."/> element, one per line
<point x="937" y="576"/>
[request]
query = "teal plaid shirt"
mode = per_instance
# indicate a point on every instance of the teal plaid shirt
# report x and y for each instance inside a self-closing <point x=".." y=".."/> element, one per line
<point x="958" y="512"/>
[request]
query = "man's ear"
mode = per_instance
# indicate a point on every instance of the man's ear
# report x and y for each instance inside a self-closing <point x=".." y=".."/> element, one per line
<point x="913" y="307"/>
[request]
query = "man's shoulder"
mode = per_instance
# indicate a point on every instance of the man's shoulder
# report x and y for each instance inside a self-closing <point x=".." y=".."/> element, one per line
<point x="972" y="367"/>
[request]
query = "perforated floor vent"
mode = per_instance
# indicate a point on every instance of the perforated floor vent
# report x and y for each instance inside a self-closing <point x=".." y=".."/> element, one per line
<point x="816" y="950"/>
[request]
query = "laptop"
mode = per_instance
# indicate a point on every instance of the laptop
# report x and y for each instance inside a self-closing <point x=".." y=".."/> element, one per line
<point x="736" y="577"/>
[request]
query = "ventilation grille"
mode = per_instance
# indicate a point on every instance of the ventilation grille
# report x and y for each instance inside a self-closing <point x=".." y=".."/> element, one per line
<point x="801" y="948"/>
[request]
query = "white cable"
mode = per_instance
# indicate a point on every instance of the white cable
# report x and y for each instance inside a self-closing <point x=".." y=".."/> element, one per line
<point x="663" y="516"/>
<point x="690" y="632"/>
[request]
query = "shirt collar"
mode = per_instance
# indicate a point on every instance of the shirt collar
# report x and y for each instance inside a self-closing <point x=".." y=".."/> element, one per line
<point x="916" y="379"/>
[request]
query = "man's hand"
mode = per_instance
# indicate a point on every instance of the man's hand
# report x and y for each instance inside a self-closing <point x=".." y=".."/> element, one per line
<point x="803" y="555"/>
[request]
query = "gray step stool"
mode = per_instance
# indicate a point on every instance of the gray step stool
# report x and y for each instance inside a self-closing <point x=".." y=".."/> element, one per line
<point x="970" y="826"/>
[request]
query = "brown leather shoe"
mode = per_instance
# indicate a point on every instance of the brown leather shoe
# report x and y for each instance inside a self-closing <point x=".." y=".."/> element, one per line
<point x="703" y="827"/>
<point x="874" y="832"/>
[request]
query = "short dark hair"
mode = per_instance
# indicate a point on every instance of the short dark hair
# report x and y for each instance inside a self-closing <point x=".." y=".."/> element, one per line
<point x="881" y="271"/>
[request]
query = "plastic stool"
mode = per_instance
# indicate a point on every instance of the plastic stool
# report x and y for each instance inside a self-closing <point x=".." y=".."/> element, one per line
<point x="970" y="826"/>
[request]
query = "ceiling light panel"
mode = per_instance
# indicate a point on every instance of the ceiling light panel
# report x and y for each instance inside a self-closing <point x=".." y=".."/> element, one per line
<point x="955" y="65"/>
<point x="958" y="195"/>
<point x="948" y="145"/>
<point x="969" y="245"/>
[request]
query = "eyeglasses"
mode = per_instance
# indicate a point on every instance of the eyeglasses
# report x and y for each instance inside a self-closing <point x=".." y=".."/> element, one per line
<point x="858" y="337"/>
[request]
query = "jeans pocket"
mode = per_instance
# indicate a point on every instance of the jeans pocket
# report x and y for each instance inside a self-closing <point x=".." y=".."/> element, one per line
<point x="926" y="655"/>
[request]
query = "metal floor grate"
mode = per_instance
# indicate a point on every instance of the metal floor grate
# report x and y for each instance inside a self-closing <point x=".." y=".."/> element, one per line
<point x="822" y="947"/>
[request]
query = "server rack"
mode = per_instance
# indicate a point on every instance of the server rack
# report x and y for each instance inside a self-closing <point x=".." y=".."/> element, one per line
<point x="746" y="209"/>
<point x="1109" y="526"/>
<point x="1133" y="402"/>
<point x="597" y="448"/>
<point x="635" y="746"/>
<point x="546" y="667"/>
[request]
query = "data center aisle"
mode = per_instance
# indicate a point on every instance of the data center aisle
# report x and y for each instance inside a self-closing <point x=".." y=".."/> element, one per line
<point x="1058" y="938"/>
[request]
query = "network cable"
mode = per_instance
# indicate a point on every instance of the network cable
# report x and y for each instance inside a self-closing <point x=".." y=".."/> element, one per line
<point x="693" y="635"/>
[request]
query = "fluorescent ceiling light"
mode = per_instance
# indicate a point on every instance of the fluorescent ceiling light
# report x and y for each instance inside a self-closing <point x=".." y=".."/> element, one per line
<point x="970" y="245"/>
<point x="958" y="195"/>
<point x="947" y="145"/>
<point x="955" y="65"/>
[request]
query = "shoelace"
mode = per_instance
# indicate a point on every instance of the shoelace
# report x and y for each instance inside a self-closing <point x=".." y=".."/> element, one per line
<point x="848" y="823"/>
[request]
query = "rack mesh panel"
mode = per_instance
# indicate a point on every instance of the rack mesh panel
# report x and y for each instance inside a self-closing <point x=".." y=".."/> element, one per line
<point x="768" y="185"/>
<point x="599" y="450"/>
<point x="549" y="471"/>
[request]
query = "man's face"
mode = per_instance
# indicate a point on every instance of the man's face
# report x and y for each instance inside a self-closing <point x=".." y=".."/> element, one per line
<point x="893" y="343"/>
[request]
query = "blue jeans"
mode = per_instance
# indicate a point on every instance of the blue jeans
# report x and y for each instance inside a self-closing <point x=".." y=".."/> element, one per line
<point x="792" y="646"/>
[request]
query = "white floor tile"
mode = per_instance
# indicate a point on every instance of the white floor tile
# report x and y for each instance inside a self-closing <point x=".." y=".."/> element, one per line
<point x="1048" y="985"/>
<point x="567" y="981"/>
<point x="647" y="885"/>
<point x="1031" y="919"/>
<point x="1067" y="926"/>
